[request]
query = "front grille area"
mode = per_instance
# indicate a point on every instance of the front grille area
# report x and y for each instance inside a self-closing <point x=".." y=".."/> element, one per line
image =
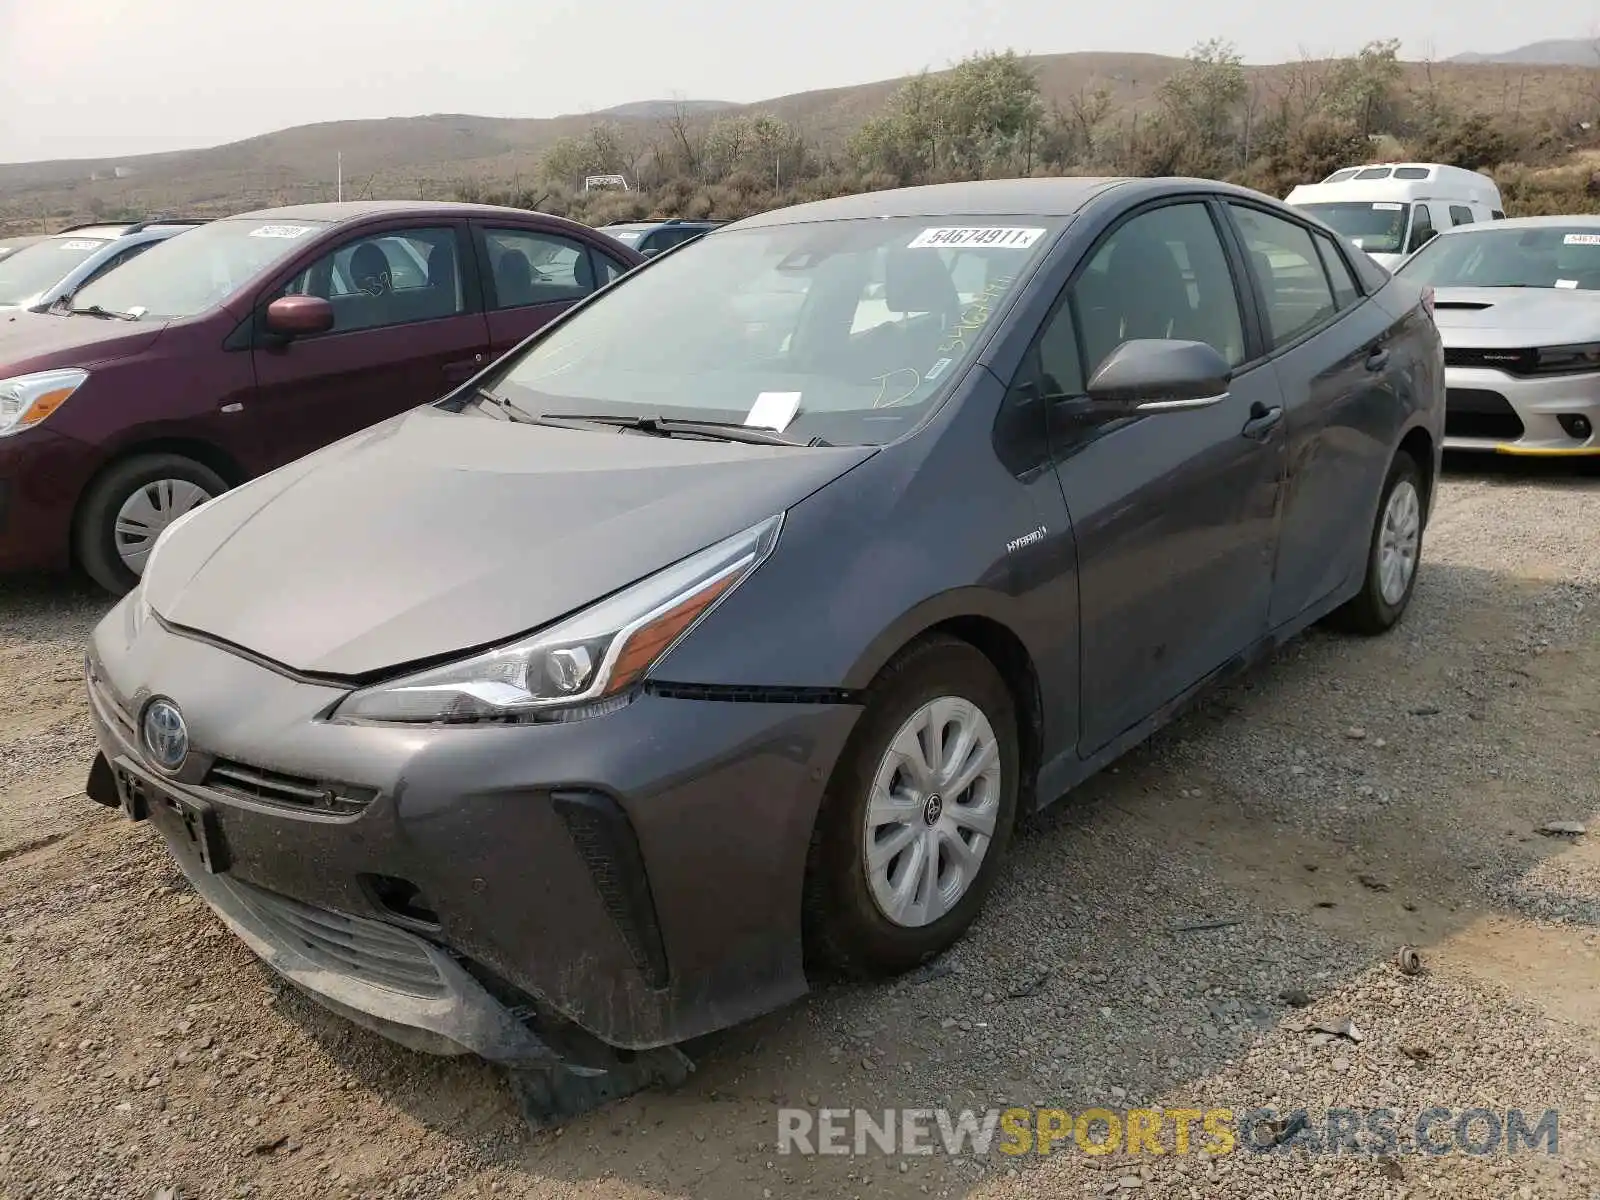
<point x="1513" y="361"/>
<point x="369" y="951"/>
<point x="1479" y="413"/>
<point x="293" y="791"/>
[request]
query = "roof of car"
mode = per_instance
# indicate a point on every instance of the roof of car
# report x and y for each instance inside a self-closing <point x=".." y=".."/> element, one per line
<point x="977" y="198"/>
<point x="1586" y="220"/>
<point x="352" y="210"/>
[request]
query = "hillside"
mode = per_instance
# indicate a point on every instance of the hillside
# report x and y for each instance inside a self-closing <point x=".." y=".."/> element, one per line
<point x="1573" y="52"/>
<point x="431" y="156"/>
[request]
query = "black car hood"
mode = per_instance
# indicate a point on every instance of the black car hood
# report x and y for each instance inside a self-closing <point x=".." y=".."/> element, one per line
<point x="31" y="341"/>
<point x="436" y="532"/>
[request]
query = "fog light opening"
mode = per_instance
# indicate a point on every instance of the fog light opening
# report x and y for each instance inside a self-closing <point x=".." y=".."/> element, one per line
<point x="400" y="897"/>
<point x="1576" y="425"/>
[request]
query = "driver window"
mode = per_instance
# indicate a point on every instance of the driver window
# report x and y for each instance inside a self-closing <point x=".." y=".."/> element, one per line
<point x="1162" y="274"/>
<point x="392" y="278"/>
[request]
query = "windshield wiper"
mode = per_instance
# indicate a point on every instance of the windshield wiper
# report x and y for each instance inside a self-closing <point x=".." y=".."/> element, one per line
<point x="105" y="314"/>
<point x="728" y="431"/>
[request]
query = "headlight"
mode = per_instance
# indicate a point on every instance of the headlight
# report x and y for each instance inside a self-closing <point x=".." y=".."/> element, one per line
<point x="582" y="666"/>
<point x="28" y="399"/>
<point x="1566" y="360"/>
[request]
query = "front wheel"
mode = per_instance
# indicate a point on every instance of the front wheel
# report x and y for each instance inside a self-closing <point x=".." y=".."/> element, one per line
<point x="128" y="507"/>
<point x="917" y="816"/>
<point x="1393" y="555"/>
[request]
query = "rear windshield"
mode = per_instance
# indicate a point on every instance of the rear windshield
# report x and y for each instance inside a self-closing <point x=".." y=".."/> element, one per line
<point x="1554" y="256"/>
<point x="855" y="327"/>
<point x="41" y="266"/>
<point x="1378" y="227"/>
<point x="197" y="270"/>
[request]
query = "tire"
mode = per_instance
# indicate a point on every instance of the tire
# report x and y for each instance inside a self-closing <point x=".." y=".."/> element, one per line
<point x="1370" y="612"/>
<point x="847" y="928"/>
<point x="96" y="528"/>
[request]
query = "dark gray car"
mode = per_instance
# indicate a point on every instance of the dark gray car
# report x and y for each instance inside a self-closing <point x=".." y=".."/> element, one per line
<point x="586" y="708"/>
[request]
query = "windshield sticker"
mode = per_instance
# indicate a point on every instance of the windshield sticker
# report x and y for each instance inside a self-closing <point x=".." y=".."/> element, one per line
<point x="79" y="246"/>
<point x="1387" y="206"/>
<point x="773" y="410"/>
<point x="973" y="317"/>
<point x="1566" y="283"/>
<point x="1356" y="242"/>
<point x="282" y="231"/>
<point x="992" y="238"/>
<point x="1581" y="239"/>
<point x="937" y="369"/>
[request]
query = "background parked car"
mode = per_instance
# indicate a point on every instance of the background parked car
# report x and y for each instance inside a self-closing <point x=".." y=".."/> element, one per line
<point x="9" y="246"/>
<point x="55" y="268"/>
<point x="650" y="238"/>
<point x="249" y="342"/>
<point x="1518" y="304"/>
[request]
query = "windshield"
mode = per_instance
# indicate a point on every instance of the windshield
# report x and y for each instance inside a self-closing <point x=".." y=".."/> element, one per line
<point x="35" y="268"/>
<point x="1553" y="256"/>
<point x="848" y="330"/>
<point x="1378" y="227"/>
<point x="196" y="270"/>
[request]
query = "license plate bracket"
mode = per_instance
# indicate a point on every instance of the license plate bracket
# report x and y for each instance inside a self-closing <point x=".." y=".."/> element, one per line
<point x="187" y="819"/>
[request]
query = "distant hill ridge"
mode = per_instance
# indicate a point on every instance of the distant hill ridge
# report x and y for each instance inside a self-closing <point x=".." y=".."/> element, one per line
<point x="431" y="155"/>
<point x="1555" y="52"/>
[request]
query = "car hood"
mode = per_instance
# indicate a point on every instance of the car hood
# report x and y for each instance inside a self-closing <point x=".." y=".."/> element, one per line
<point x="434" y="533"/>
<point x="31" y="341"/>
<point x="1505" y="317"/>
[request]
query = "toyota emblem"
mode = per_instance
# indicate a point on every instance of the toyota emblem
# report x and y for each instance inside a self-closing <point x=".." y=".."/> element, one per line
<point x="166" y="737"/>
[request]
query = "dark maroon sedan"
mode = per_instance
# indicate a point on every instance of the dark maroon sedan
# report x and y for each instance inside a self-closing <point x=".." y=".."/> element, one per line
<point x="249" y="342"/>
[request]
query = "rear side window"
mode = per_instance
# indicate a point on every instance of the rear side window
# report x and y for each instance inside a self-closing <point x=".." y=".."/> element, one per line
<point x="532" y="267"/>
<point x="1460" y="214"/>
<point x="1345" y="291"/>
<point x="1411" y="172"/>
<point x="1373" y="173"/>
<point x="1288" y="272"/>
<point x="1338" y="176"/>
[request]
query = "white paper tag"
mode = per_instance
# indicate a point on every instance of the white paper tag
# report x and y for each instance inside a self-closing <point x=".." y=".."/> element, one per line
<point x="936" y="370"/>
<point x="773" y="410"/>
<point x="78" y="246"/>
<point x="1581" y="239"/>
<point x="1356" y="242"/>
<point x="1387" y="206"/>
<point x="992" y="238"/>
<point x="282" y="231"/>
<point x="1566" y="283"/>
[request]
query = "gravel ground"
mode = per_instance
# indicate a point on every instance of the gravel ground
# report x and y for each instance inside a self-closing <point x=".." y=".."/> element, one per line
<point x="1349" y="799"/>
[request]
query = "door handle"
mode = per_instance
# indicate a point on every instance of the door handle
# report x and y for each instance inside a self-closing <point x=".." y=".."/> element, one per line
<point x="1378" y="358"/>
<point x="1263" y="420"/>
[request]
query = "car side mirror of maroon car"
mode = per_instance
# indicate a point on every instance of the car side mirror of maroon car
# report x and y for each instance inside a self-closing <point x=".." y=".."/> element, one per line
<point x="1152" y="375"/>
<point x="297" y="316"/>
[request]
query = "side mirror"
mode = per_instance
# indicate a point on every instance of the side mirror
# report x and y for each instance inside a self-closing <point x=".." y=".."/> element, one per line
<point x="1151" y="375"/>
<point x="296" y="316"/>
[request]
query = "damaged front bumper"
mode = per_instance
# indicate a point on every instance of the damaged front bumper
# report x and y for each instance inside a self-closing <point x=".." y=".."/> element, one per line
<point x="535" y="895"/>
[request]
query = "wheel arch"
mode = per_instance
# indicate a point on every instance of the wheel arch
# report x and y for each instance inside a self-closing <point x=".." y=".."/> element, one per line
<point x="1419" y="444"/>
<point x="207" y="454"/>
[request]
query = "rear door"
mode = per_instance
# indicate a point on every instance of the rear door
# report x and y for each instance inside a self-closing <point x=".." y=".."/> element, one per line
<point x="1331" y="348"/>
<point x="531" y="276"/>
<point x="409" y="326"/>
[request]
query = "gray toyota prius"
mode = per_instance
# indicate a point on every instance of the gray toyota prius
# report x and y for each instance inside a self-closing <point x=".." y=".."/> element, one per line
<point x="723" y="629"/>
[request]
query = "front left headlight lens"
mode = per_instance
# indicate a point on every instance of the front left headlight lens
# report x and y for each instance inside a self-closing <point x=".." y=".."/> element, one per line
<point x="25" y="400"/>
<point x="583" y="666"/>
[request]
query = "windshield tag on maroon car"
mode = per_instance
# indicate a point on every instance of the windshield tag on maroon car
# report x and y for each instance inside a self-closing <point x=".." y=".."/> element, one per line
<point x="282" y="231"/>
<point x="992" y="238"/>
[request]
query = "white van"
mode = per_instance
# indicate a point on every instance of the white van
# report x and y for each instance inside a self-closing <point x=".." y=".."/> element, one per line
<point x="1391" y="209"/>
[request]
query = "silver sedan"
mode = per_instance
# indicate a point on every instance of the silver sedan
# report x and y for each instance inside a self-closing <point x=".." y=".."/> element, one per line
<point x="1518" y="305"/>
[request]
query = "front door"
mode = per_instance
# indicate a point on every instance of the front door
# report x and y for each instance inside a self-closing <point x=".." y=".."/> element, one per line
<point x="1175" y="513"/>
<point x="408" y="327"/>
<point x="532" y="276"/>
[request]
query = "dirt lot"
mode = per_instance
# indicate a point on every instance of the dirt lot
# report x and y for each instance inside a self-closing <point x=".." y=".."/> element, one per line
<point x="1348" y="799"/>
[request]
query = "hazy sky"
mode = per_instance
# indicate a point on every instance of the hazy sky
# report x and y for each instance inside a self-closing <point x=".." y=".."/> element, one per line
<point x="91" y="78"/>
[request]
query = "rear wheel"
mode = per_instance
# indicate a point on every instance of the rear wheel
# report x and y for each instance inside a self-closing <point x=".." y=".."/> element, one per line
<point x="917" y="816"/>
<point x="128" y="507"/>
<point x="1393" y="555"/>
